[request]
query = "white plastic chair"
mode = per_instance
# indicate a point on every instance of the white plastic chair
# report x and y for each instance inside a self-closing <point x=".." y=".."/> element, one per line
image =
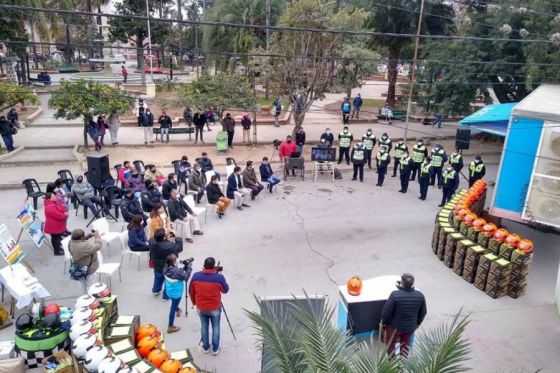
<point x="229" y="169"/>
<point x="107" y="268"/>
<point x="209" y="175"/>
<point x="102" y="226"/>
<point x="67" y="255"/>
<point x="189" y="200"/>
<point x="188" y="191"/>
<point x="212" y="206"/>
<point x="123" y="237"/>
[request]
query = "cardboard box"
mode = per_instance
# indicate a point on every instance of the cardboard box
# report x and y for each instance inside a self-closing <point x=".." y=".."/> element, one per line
<point x="483" y="239"/>
<point x="472" y="234"/>
<point x="450" y="245"/>
<point x="68" y="363"/>
<point x="471" y="262"/>
<point x="441" y="241"/>
<point x="483" y="269"/>
<point x="494" y="246"/>
<point x="505" y="251"/>
<point x="463" y="228"/>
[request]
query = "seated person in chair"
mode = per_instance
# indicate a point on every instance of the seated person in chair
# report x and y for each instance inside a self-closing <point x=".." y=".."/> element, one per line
<point x="236" y="190"/>
<point x="86" y="195"/>
<point x="206" y="164"/>
<point x="184" y="169"/>
<point x="216" y="197"/>
<point x="181" y="214"/>
<point x="168" y="186"/>
<point x="131" y="206"/>
<point x="137" y="240"/>
<point x="151" y="196"/>
<point x="267" y="175"/>
<point x="159" y="219"/>
<point x="197" y="182"/>
<point x="250" y="180"/>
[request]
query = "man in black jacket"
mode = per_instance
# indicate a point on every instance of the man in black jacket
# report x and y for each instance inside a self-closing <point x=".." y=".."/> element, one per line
<point x="183" y="216"/>
<point x="131" y="206"/>
<point x="216" y="196"/>
<point x="206" y="164"/>
<point x="168" y="186"/>
<point x="402" y="314"/>
<point x="6" y="133"/>
<point x="161" y="245"/>
<point x="151" y="196"/>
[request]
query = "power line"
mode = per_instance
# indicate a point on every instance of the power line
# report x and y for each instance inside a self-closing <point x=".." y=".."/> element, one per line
<point x="276" y="28"/>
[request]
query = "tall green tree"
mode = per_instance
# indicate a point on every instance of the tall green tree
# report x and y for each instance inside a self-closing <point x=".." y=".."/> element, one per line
<point x="401" y="17"/>
<point x="88" y="99"/>
<point x="222" y="91"/>
<point x="303" y="339"/>
<point x="12" y="94"/>
<point x="130" y="30"/>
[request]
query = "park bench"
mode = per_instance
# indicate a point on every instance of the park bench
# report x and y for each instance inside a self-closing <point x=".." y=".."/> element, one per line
<point x="68" y="69"/>
<point x="175" y="130"/>
<point x="397" y="114"/>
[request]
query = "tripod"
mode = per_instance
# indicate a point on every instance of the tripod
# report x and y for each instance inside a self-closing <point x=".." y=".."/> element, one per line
<point x="229" y="324"/>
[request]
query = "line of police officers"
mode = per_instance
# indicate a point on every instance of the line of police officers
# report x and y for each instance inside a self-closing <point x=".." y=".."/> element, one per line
<point x="429" y="167"/>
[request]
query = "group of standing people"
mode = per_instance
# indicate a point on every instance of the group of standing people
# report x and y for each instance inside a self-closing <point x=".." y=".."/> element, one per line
<point x="97" y="130"/>
<point x="346" y="108"/>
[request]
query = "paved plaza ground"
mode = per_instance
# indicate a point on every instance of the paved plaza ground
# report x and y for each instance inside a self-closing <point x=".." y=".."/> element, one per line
<point x="279" y="245"/>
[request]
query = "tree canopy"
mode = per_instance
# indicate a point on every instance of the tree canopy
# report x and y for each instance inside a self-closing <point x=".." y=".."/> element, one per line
<point x="12" y="94"/>
<point x="221" y="92"/>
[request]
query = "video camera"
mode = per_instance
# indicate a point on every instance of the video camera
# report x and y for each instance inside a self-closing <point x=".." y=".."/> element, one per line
<point x="276" y="143"/>
<point x="219" y="268"/>
<point x="187" y="263"/>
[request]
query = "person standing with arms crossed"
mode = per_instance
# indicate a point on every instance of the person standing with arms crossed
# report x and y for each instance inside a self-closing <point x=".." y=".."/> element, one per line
<point x="477" y="170"/>
<point x="383" y="160"/>
<point x="358" y="160"/>
<point x="357" y="102"/>
<point x="402" y="314"/>
<point x="344" y="142"/>
<point x="450" y="183"/>
<point x="419" y="152"/>
<point x="206" y="289"/>
<point x="424" y="175"/>
<point x="405" y="163"/>
<point x="400" y="149"/>
<point x="368" y="139"/>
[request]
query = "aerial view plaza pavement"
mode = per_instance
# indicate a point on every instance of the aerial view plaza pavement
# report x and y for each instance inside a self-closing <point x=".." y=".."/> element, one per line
<point x="199" y="203"/>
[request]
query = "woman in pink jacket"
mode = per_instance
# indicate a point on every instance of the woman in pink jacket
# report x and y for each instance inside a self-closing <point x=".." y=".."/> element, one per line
<point x="55" y="221"/>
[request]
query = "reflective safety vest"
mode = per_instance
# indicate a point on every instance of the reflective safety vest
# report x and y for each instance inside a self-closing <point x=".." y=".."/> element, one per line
<point x="369" y="141"/>
<point x="359" y="154"/>
<point x="385" y="143"/>
<point x="437" y="157"/>
<point x="425" y="169"/>
<point x="404" y="162"/>
<point x="382" y="157"/>
<point x="344" y="139"/>
<point x="475" y="168"/>
<point x="447" y="174"/>
<point x="399" y="150"/>
<point x="418" y="153"/>
<point x="455" y="158"/>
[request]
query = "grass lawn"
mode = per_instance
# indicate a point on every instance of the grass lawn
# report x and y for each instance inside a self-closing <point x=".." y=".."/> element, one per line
<point x="373" y="102"/>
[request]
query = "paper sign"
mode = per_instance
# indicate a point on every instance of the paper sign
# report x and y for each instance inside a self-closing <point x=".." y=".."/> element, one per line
<point x="32" y="224"/>
<point x="9" y="249"/>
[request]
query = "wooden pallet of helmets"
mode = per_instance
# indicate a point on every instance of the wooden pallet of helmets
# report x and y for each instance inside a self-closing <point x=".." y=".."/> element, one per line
<point x="489" y="257"/>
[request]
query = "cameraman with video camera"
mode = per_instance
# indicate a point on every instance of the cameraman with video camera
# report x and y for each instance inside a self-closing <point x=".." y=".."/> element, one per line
<point x="161" y="246"/>
<point x="175" y="279"/>
<point x="206" y="290"/>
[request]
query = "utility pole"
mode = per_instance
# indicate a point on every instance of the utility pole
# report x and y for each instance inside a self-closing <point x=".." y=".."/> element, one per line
<point x="149" y="42"/>
<point x="267" y="25"/>
<point x="413" y="72"/>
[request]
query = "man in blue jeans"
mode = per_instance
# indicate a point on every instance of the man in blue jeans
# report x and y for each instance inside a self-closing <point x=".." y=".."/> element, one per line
<point x="161" y="245"/>
<point x="206" y="290"/>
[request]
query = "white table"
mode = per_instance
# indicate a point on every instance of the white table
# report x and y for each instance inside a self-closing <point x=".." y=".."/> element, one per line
<point x="21" y="285"/>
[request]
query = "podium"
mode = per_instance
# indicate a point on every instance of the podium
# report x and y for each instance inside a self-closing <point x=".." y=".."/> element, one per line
<point x="361" y="314"/>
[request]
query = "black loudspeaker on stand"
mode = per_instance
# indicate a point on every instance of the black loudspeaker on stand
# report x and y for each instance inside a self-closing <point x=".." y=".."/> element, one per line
<point x="98" y="169"/>
<point x="462" y="139"/>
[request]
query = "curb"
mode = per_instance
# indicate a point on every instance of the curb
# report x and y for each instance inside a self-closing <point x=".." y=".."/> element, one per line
<point x="9" y="155"/>
<point x="31" y="117"/>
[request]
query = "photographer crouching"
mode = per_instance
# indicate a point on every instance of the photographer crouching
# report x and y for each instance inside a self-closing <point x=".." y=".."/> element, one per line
<point x="206" y="290"/>
<point x="175" y="279"/>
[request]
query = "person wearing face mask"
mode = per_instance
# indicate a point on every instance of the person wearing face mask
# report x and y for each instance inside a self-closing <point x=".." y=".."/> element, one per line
<point x="383" y="159"/>
<point x="151" y="196"/>
<point x="386" y="143"/>
<point x="183" y="217"/>
<point x="207" y="165"/>
<point x="86" y="195"/>
<point x="456" y="160"/>
<point x="439" y="157"/>
<point x="168" y="186"/>
<point x="155" y="175"/>
<point x="477" y="170"/>
<point x="344" y="142"/>
<point x="136" y="183"/>
<point x="368" y="139"/>
<point x="236" y="190"/>
<point x="228" y="125"/>
<point x="216" y="197"/>
<point x="250" y="180"/>
<point x="184" y="170"/>
<point x="405" y="163"/>
<point x="450" y="183"/>
<point x="160" y="219"/>
<point x="137" y="240"/>
<point x="328" y="137"/>
<point x="300" y="140"/>
<point x="148" y="124"/>
<point x="130" y="206"/>
<point x="358" y="159"/>
<point x="419" y="152"/>
<point x="345" y="108"/>
<point x="286" y="149"/>
<point x="424" y="175"/>
<point x="267" y="175"/>
<point x="400" y="149"/>
<point x="197" y="182"/>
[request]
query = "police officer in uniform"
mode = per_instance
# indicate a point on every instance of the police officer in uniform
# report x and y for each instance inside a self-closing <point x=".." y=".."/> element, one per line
<point x="383" y="159"/>
<point x="419" y="152"/>
<point x="400" y="149"/>
<point x="450" y="183"/>
<point x="405" y="163"/>
<point x="369" y="142"/>
<point x="424" y="175"/>
<point x="385" y="142"/>
<point x="344" y="141"/>
<point x="439" y="157"/>
<point x="456" y="160"/>
<point x="477" y="170"/>
<point x="358" y="159"/>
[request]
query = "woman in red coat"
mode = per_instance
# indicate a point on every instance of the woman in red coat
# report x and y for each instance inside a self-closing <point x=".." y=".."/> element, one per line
<point x="55" y="222"/>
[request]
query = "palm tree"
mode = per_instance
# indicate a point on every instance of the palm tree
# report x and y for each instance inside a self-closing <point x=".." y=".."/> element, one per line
<point x="301" y="339"/>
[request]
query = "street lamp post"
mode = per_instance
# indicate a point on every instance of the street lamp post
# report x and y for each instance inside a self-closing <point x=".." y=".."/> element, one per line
<point x="150" y="42"/>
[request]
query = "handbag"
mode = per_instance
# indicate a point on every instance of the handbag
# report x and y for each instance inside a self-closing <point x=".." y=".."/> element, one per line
<point x="14" y="130"/>
<point x="78" y="272"/>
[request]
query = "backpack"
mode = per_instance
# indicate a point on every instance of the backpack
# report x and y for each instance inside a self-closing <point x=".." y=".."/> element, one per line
<point x="337" y="174"/>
